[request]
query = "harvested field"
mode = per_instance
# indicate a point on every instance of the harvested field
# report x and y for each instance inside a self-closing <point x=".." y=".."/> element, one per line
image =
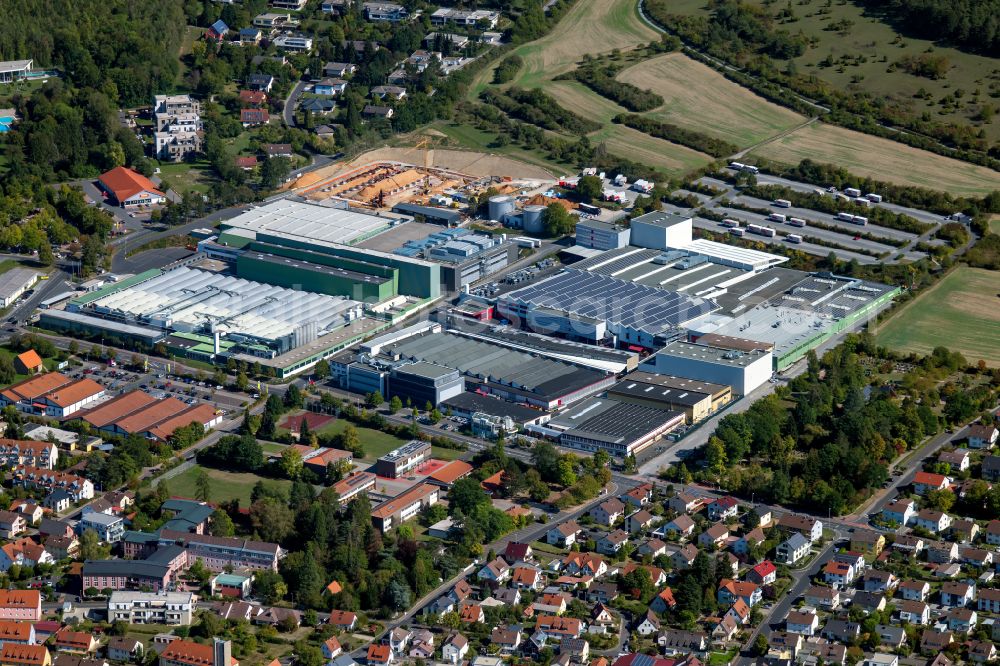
<point x="591" y="24"/>
<point x="883" y="159"/>
<point x="699" y="98"/>
<point x="962" y="312"/>
<point x="644" y="149"/>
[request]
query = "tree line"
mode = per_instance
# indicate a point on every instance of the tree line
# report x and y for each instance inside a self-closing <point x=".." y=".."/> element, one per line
<point x="685" y="137"/>
<point x="601" y="79"/>
<point x="825" y="441"/>
<point x="748" y="38"/>
<point x="538" y="108"/>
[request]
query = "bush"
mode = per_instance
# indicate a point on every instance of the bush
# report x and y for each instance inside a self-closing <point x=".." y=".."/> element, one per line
<point x="508" y="69"/>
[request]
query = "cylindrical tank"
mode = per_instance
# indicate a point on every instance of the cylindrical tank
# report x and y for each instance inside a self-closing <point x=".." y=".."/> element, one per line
<point x="500" y="206"/>
<point x="533" y="219"/>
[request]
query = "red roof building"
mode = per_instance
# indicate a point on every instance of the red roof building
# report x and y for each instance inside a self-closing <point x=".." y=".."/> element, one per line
<point x="28" y="362"/>
<point x="245" y="163"/>
<point x="128" y="188"/>
<point x="253" y="97"/>
<point x="251" y="117"/>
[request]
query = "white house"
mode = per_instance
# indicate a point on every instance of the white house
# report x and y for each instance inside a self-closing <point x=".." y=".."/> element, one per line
<point x="932" y="520"/>
<point x="900" y="512"/>
<point x="800" y="622"/>
<point x="608" y="512"/>
<point x="454" y="649"/>
<point x="792" y="549"/>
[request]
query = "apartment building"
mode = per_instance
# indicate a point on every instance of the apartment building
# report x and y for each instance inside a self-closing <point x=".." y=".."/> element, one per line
<point x="151" y="608"/>
<point x="177" y="119"/>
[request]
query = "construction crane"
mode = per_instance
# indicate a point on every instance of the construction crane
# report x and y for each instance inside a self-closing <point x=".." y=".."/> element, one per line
<point x="428" y="156"/>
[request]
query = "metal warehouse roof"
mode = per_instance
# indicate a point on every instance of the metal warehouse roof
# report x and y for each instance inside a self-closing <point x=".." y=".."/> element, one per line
<point x="188" y="299"/>
<point x="608" y="420"/>
<point x="308" y="221"/>
<point x="14" y="280"/>
<point x="496" y="364"/>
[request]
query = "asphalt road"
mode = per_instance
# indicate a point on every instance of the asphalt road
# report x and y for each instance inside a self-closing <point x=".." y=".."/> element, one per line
<point x="288" y="112"/>
<point x="58" y="282"/>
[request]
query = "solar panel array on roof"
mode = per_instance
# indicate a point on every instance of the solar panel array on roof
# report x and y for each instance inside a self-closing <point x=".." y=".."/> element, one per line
<point x="618" y="302"/>
<point x="189" y="299"/>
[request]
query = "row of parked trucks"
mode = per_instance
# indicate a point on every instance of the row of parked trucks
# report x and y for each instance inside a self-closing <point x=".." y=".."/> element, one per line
<point x="758" y="229"/>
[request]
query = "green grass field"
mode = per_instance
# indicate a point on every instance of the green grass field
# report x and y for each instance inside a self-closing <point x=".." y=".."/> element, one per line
<point x="471" y="138"/>
<point x="863" y="52"/>
<point x="184" y="176"/>
<point x="375" y="442"/>
<point x="226" y="486"/>
<point x="699" y="98"/>
<point x="995" y="224"/>
<point x="962" y="312"/>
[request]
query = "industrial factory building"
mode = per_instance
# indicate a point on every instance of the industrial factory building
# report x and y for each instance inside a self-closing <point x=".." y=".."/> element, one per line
<point x="620" y="428"/>
<point x="587" y="305"/>
<point x="737" y="366"/>
<point x="501" y="371"/>
<point x="697" y="399"/>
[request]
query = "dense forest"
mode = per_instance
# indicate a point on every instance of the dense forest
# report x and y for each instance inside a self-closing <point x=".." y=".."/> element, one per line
<point x="126" y="48"/>
<point x="971" y="24"/>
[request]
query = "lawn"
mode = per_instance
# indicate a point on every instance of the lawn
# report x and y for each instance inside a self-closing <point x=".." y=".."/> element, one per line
<point x="225" y="485"/>
<point x="446" y="454"/>
<point x="961" y="312"/>
<point x="995" y="224"/>
<point x="883" y="159"/>
<point x="184" y="176"/>
<point x="699" y="98"/>
<point x="5" y="352"/>
<point x="375" y="442"/>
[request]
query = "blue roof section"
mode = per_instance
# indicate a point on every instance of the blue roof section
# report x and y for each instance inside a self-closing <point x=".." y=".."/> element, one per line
<point x="220" y="27"/>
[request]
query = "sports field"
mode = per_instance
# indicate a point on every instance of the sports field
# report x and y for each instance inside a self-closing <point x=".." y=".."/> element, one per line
<point x="962" y="312"/>
<point x="699" y="98"/>
<point x="883" y="159"/>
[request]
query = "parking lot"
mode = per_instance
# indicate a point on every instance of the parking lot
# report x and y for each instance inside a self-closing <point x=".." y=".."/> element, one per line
<point x="188" y="390"/>
<point x="866" y="244"/>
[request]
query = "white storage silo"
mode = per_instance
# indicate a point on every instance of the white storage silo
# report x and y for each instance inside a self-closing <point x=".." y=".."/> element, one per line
<point x="533" y="222"/>
<point x="500" y="206"/>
